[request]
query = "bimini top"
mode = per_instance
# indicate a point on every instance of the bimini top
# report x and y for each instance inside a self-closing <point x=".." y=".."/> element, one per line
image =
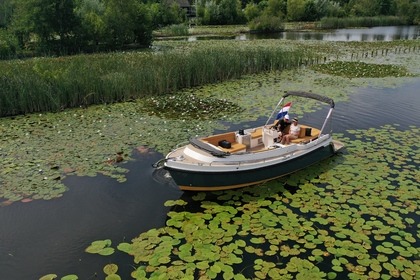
<point x="312" y="96"/>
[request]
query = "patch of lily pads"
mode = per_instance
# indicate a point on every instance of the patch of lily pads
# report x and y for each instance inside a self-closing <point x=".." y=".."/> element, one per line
<point x="350" y="217"/>
<point x="357" y="69"/>
<point x="190" y="106"/>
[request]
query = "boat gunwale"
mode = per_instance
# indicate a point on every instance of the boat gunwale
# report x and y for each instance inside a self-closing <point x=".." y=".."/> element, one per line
<point x="251" y="162"/>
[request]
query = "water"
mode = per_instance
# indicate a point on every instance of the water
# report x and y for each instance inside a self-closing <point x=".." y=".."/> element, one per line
<point x="380" y="33"/>
<point x="374" y="107"/>
<point x="44" y="237"/>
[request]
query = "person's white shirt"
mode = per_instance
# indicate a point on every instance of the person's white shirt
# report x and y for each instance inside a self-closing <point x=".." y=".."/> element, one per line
<point x="295" y="129"/>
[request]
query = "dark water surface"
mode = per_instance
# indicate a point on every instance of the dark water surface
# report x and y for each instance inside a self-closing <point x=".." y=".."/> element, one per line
<point x="379" y="33"/>
<point x="45" y="237"/>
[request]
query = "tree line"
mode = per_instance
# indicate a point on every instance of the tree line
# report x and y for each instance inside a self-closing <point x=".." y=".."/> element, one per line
<point x="55" y="27"/>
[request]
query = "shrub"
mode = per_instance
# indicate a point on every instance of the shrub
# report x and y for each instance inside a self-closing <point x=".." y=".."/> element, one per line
<point x="176" y="30"/>
<point x="266" y="23"/>
<point x="8" y="45"/>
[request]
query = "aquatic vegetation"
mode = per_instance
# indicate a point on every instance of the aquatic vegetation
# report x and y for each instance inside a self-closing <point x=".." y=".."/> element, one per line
<point x="101" y="247"/>
<point x="38" y="151"/>
<point x="354" y="69"/>
<point x="110" y="270"/>
<point x="349" y="217"/>
<point x="190" y="106"/>
<point x="55" y="276"/>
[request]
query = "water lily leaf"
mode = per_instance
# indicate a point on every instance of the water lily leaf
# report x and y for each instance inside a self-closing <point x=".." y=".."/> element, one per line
<point x="317" y="252"/>
<point x="228" y="275"/>
<point x="337" y="268"/>
<point x="139" y="273"/>
<point x="376" y="267"/>
<point x="110" y="269"/>
<point x="48" y="277"/>
<point x="113" y="277"/>
<point x="203" y="265"/>
<point x="107" y="251"/>
<point x="331" y="275"/>
<point x="374" y="275"/>
<point x="125" y="247"/>
<point x="257" y="240"/>
<point x="215" y="268"/>
<point x="336" y="262"/>
<point x="100" y="247"/>
<point x="389" y="266"/>
<point x="70" y="277"/>
<point x="382" y="258"/>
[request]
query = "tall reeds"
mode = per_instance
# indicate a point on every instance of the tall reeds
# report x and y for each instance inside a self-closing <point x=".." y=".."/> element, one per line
<point x="52" y="84"/>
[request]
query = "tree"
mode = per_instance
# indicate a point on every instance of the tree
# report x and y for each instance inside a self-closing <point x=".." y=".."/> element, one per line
<point x="296" y="9"/>
<point x="52" y="22"/>
<point x="277" y="8"/>
<point x="220" y="12"/>
<point x="166" y="13"/>
<point x="408" y="9"/>
<point x="90" y="13"/>
<point x="251" y="11"/>
<point x="143" y="28"/>
<point x="311" y="12"/>
<point x="366" y="8"/>
<point x="6" y="11"/>
<point x="126" y="21"/>
<point x="8" y="44"/>
<point x="386" y="7"/>
<point x="230" y="11"/>
<point x="333" y="9"/>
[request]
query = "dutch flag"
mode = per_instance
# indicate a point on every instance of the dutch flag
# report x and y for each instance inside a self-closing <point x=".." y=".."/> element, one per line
<point x="284" y="111"/>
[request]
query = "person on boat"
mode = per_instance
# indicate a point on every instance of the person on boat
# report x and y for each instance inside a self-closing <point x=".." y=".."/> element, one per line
<point x="282" y="126"/>
<point x="293" y="132"/>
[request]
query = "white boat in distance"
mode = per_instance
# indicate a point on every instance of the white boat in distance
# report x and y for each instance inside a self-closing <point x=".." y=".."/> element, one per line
<point x="252" y="156"/>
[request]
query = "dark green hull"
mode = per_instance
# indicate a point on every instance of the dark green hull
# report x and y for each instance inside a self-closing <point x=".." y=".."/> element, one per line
<point x="208" y="181"/>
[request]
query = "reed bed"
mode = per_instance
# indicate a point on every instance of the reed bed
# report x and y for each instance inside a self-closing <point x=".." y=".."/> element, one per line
<point x="53" y="84"/>
<point x="335" y="23"/>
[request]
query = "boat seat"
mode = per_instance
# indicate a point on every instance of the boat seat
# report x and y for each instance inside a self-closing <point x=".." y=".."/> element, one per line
<point x="230" y="136"/>
<point x="302" y="134"/>
<point x="257" y="133"/>
<point x="235" y="147"/>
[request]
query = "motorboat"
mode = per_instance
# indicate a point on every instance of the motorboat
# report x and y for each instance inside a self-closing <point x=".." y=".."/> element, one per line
<point x="250" y="156"/>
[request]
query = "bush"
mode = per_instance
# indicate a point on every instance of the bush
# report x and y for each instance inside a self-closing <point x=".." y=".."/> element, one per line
<point x="8" y="45"/>
<point x="266" y="23"/>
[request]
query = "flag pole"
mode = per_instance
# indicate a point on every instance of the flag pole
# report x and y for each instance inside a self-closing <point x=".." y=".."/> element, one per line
<point x="275" y="109"/>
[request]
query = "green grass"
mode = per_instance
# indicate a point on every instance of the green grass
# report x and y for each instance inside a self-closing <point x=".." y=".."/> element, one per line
<point x="53" y="84"/>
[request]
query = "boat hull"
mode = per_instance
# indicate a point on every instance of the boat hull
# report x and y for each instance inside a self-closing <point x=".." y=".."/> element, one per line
<point x="208" y="180"/>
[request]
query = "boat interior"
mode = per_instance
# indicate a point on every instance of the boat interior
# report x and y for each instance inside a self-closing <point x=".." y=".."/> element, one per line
<point x="257" y="139"/>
